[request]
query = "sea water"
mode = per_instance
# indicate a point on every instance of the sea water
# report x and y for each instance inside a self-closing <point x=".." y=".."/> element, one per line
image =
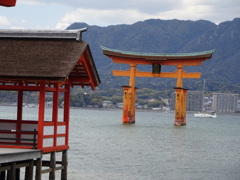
<point x="102" y="148"/>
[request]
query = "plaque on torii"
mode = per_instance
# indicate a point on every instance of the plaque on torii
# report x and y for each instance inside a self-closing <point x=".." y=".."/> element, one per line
<point x="156" y="60"/>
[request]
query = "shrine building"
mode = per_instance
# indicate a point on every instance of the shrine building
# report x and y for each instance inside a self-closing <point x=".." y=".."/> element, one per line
<point x="48" y="63"/>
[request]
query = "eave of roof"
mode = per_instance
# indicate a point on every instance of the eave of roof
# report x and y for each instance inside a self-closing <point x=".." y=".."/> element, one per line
<point x="53" y="56"/>
<point x="157" y="56"/>
<point x="43" y="34"/>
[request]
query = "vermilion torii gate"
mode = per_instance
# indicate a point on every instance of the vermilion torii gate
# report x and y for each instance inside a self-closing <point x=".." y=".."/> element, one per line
<point x="156" y="60"/>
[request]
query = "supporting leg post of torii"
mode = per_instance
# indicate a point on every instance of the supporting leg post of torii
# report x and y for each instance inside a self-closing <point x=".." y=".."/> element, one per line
<point x="125" y="104"/>
<point x="132" y="94"/>
<point x="178" y="107"/>
<point x="132" y="105"/>
<point x="184" y="107"/>
<point x="129" y="99"/>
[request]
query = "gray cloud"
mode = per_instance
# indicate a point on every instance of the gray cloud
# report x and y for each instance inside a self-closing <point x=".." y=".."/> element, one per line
<point x="145" y="6"/>
<point x="108" y="12"/>
<point x="214" y="9"/>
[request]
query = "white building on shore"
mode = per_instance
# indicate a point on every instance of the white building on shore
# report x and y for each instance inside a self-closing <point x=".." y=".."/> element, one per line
<point x="225" y="102"/>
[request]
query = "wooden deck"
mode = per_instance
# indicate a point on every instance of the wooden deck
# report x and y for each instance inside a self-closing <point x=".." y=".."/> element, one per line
<point x="12" y="159"/>
<point x="8" y="155"/>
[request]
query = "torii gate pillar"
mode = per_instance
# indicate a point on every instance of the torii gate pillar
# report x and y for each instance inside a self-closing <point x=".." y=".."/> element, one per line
<point x="129" y="99"/>
<point x="180" y="106"/>
<point x="181" y="95"/>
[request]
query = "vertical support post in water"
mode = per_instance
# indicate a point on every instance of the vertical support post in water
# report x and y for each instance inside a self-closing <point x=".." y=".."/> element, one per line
<point x="65" y="165"/>
<point x="38" y="175"/>
<point x="134" y="101"/>
<point x="125" y="104"/>
<point x="29" y="170"/>
<point x="184" y="107"/>
<point x="17" y="174"/>
<point x="132" y="94"/>
<point x="178" y="107"/>
<point x="2" y="174"/>
<point x="11" y="174"/>
<point x="52" y="165"/>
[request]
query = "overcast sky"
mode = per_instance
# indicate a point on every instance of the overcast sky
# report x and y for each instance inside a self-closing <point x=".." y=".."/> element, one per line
<point x="58" y="14"/>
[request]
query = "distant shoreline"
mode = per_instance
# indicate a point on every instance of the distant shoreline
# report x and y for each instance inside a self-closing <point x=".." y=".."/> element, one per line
<point x="137" y="110"/>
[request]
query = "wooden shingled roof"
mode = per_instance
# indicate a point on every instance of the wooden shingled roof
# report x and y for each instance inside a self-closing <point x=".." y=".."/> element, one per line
<point x="47" y="55"/>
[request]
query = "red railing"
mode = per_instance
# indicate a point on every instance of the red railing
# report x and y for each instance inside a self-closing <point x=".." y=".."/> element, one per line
<point x="18" y="140"/>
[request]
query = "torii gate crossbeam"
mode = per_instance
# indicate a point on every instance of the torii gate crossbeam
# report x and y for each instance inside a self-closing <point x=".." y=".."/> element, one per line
<point x="156" y="60"/>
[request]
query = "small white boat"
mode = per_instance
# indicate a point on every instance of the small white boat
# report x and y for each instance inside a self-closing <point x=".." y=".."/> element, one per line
<point x="207" y="115"/>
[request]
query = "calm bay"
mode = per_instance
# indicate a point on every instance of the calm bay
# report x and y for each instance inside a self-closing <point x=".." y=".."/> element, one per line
<point x="101" y="147"/>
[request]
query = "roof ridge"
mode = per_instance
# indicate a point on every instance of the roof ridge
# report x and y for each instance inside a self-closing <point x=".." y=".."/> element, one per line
<point x="49" y="34"/>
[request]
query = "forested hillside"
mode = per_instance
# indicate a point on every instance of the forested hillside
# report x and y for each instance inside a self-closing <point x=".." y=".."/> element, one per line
<point x="222" y="72"/>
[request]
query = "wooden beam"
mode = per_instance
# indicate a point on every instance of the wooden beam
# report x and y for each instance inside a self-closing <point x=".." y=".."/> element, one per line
<point x="88" y="69"/>
<point x="20" y="87"/>
<point x="184" y="62"/>
<point x="80" y="79"/>
<point x="161" y="75"/>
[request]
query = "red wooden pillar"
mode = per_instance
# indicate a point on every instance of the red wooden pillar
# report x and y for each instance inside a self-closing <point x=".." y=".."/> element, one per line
<point x="55" y="112"/>
<point x="41" y="111"/>
<point x="67" y="110"/>
<point x="19" y="114"/>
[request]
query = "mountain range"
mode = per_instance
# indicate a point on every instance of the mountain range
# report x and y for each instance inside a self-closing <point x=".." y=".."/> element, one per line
<point x="222" y="71"/>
